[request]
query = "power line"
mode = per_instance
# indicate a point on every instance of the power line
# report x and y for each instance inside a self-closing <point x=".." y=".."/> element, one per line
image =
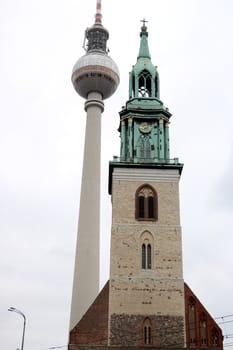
<point x="224" y="322"/>
<point x="223" y="317"/>
<point x="228" y="344"/>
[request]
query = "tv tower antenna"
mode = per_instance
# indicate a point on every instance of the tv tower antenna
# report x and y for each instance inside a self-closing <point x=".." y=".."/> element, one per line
<point x="98" y="15"/>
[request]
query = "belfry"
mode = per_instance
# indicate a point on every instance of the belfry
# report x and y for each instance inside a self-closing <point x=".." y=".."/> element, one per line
<point x="145" y="302"/>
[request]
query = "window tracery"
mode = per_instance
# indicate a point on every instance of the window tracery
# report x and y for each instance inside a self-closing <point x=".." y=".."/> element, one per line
<point x="144" y="89"/>
<point x="146" y="203"/>
<point x="192" y="322"/>
<point x="146" y="256"/>
<point x="214" y="337"/>
<point x="203" y="329"/>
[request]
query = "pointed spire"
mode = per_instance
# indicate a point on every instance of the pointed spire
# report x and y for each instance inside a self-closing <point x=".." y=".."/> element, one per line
<point x="144" y="48"/>
<point x="144" y="78"/>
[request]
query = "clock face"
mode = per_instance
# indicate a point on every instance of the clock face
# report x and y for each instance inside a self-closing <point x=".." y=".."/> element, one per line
<point x="145" y="127"/>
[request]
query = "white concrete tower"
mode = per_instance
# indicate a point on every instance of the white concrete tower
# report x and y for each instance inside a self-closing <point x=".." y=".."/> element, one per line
<point x="95" y="77"/>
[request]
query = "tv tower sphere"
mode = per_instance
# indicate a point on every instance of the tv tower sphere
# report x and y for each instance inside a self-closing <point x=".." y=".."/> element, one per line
<point x="96" y="71"/>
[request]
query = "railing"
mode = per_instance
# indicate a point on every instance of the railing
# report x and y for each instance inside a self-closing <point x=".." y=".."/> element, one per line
<point x="173" y="161"/>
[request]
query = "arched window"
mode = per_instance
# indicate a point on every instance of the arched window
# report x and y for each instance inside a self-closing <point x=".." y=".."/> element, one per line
<point x="214" y="338"/>
<point x="144" y="88"/>
<point x="203" y="329"/>
<point x="133" y="86"/>
<point x="192" y="322"/>
<point x="146" y="256"/>
<point x="141" y="206"/>
<point x="146" y="203"/>
<point x="147" y="337"/>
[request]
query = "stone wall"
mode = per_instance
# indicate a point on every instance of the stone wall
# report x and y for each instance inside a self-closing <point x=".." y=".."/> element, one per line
<point x="166" y="331"/>
<point x="156" y="292"/>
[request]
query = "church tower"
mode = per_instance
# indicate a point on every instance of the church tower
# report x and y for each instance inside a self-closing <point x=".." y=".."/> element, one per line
<point x="146" y="292"/>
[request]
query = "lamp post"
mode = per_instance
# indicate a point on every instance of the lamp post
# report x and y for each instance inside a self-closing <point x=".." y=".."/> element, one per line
<point x="13" y="309"/>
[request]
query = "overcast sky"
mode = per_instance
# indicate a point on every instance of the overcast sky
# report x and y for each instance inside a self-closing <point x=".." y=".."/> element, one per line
<point x="41" y="148"/>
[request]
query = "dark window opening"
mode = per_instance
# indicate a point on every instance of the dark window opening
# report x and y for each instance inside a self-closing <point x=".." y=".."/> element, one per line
<point x="203" y="330"/>
<point x="151" y="210"/>
<point x="141" y="208"/>
<point x="147" y="335"/>
<point x="149" y="256"/>
<point x="146" y="256"/>
<point x="133" y="86"/>
<point x="144" y="84"/>
<point x="143" y="256"/>
<point x="214" y="338"/>
<point x="192" y="323"/>
<point x="146" y="203"/>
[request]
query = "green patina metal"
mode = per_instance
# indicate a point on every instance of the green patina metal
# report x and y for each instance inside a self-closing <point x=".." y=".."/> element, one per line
<point x="144" y="120"/>
<point x="144" y="78"/>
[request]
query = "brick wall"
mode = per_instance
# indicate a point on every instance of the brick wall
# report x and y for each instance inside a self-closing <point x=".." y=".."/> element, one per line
<point x="93" y="327"/>
<point x="211" y="325"/>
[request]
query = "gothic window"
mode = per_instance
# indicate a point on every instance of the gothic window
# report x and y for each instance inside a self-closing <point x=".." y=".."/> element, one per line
<point x="146" y="203"/>
<point x="214" y="338"/>
<point x="192" y="323"/>
<point x="145" y="147"/>
<point x="147" y="338"/>
<point x="141" y="206"/>
<point x="146" y="256"/>
<point x="150" y="206"/>
<point x="133" y="86"/>
<point x="144" y="88"/>
<point x="203" y="330"/>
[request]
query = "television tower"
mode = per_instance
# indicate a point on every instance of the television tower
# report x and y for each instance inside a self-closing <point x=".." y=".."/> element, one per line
<point x="95" y="77"/>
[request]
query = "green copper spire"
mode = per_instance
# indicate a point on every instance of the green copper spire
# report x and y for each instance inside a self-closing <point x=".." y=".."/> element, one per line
<point x="144" y="120"/>
<point x="144" y="78"/>
<point x="144" y="123"/>
<point x="144" y="48"/>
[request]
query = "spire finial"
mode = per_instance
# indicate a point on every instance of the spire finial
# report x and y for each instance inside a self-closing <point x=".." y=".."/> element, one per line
<point x="144" y="28"/>
<point x="144" y="21"/>
<point x="98" y="15"/>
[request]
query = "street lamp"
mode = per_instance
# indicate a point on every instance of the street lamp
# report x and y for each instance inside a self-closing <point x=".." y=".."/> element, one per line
<point x="13" y="309"/>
